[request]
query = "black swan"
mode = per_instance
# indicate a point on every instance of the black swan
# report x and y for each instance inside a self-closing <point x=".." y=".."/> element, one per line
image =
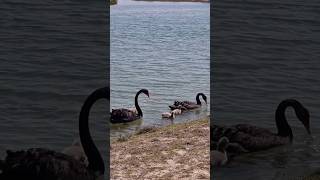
<point x="123" y="115"/>
<point x="219" y="156"/>
<point x="188" y="105"/>
<point x="40" y="163"/>
<point x="253" y="138"/>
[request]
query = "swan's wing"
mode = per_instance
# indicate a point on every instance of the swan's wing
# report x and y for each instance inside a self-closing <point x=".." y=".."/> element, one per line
<point x="173" y="107"/>
<point x="250" y="137"/>
<point x="257" y="143"/>
<point x="132" y="109"/>
<point x="129" y="113"/>
<point x="123" y="116"/>
<point x="253" y="130"/>
<point x="120" y="113"/>
<point x="116" y="113"/>
<point x="177" y="103"/>
<point x="76" y="151"/>
<point x="191" y="106"/>
<point x="25" y="165"/>
<point x="218" y="132"/>
<point x="189" y="103"/>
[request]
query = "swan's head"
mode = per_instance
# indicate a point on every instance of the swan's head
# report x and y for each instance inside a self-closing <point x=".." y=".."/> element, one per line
<point x="304" y="116"/>
<point x="145" y="91"/>
<point x="223" y="144"/>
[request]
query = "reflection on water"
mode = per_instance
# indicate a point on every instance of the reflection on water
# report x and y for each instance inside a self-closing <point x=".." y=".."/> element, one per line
<point x="163" y="47"/>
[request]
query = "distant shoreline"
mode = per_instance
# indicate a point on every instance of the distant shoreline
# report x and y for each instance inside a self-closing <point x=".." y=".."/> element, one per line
<point x="202" y="1"/>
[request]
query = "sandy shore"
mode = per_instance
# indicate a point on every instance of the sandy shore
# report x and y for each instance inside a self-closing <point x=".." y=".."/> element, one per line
<point x="179" y="151"/>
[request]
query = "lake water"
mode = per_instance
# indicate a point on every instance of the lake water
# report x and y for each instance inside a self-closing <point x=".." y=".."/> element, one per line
<point x="264" y="52"/>
<point x="52" y="56"/>
<point x="163" y="47"/>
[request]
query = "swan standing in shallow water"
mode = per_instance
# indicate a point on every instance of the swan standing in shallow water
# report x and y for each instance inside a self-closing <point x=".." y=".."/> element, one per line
<point x="188" y="105"/>
<point x="219" y="156"/>
<point x="254" y="138"/>
<point x="45" y="164"/>
<point x="127" y="115"/>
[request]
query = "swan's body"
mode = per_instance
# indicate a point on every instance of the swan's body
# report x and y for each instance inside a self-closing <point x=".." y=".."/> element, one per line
<point x="177" y="111"/>
<point x="134" y="110"/>
<point x="123" y="115"/>
<point x="169" y="115"/>
<point x="253" y="138"/>
<point x="219" y="156"/>
<point x="77" y="152"/>
<point x="188" y="105"/>
<point x="40" y="163"/>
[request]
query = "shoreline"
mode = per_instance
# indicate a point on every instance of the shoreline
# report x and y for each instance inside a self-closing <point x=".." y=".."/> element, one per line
<point x="178" y="151"/>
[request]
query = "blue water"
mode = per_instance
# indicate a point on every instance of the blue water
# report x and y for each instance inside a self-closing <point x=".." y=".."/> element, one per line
<point x="161" y="46"/>
<point x="264" y="52"/>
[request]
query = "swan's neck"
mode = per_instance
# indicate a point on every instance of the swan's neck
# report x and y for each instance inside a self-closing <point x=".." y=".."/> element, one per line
<point x="137" y="104"/>
<point x="283" y="127"/>
<point x="198" y="99"/>
<point x="95" y="160"/>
